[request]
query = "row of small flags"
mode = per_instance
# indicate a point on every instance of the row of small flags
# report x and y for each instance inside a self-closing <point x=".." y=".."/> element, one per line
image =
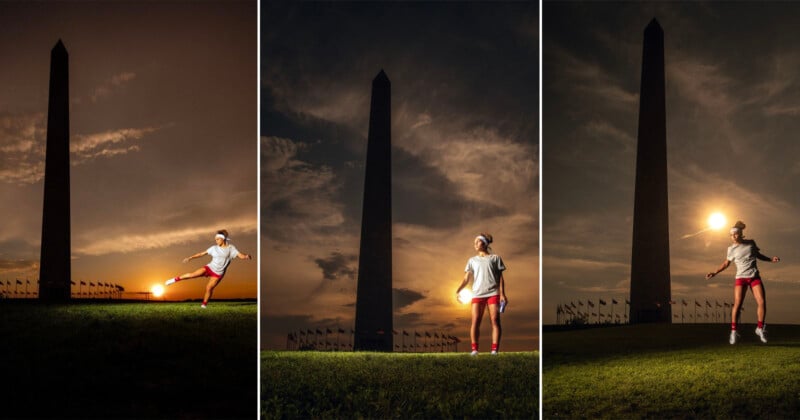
<point x="302" y="338"/>
<point x="576" y="310"/>
<point x="108" y="287"/>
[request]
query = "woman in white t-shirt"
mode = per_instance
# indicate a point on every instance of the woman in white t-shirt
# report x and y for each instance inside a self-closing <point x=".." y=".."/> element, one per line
<point x="744" y="253"/>
<point x="221" y="255"/>
<point x="488" y="289"/>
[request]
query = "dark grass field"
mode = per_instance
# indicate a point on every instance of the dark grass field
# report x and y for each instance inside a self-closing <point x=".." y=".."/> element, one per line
<point x="130" y="360"/>
<point x="404" y="385"/>
<point x="671" y="371"/>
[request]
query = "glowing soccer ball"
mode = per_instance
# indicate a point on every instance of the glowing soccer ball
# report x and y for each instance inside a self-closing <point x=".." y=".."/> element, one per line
<point x="157" y="290"/>
<point x="717" y="221"/>
<point x="465" y="296"/>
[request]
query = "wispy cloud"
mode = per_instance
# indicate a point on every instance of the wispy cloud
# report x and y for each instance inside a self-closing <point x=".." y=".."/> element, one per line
<point x="300" y="198"/>
<point x="92" y="146"/>
<point x="588" y="78"/>
<point x="23" y="138"/>
<point x="111" y="84"/>
<point x="110" y="243"/>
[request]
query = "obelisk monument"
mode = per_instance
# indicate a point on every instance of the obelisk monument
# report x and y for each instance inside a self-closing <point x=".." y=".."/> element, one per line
<point x="55" y="267"/>
<point x="650" y="278"/>
<point x="373" y="330"/>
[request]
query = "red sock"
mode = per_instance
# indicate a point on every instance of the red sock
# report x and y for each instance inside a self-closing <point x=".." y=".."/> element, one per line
<point x="474" y="346"/>
<point x="760" y="324"/>
<point x="495" y="346"/>
<point x="733" y="326"/>
<point x="177" y="279"/>
<point x="205" y="302"/>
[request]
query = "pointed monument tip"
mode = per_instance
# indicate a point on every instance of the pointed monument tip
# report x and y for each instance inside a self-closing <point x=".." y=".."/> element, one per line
<point x="381" y="76"/>
<point x="653" y="24"/>
<point x="59" y="46"/>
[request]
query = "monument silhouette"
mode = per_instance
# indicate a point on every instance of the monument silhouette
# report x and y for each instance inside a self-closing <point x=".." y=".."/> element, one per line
<point x="373" y="330"/>
<point x="55" y="266"/>
<point x="650" y="278"/>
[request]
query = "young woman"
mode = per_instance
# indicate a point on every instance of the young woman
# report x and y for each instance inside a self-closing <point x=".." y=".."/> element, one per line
<point x="744" y="252"/>
<point x="221" y="255"/>
<point x="488" y="289"/>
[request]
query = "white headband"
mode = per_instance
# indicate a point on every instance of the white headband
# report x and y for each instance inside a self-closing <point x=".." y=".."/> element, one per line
<point x="221" y="236"/>
<point x="735" y="229"/>
<point x="483" y="239"/>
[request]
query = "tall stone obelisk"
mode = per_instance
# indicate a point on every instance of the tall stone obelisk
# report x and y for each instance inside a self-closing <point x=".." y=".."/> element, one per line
<point x="55" y="267"/>
<point x="650" y="278"/>
<point x="374" y="298"/>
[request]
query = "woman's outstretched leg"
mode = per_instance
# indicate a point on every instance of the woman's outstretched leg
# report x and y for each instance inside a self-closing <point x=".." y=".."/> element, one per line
<point x="200" y="272"/>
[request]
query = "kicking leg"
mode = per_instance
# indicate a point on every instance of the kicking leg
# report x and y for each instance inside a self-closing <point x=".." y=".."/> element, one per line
<point x="200" y="272"/>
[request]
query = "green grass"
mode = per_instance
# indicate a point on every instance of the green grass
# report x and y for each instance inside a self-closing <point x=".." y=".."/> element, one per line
<point x="671" y="371"/>
<point x="134" y="360"/>
<point x="392" y="385"/>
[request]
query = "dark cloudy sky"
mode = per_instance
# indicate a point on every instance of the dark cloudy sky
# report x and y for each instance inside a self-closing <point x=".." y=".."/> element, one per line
<point x="733" y="114"/>
<point x="465" y="158"/>
<point x="163" y="123"/>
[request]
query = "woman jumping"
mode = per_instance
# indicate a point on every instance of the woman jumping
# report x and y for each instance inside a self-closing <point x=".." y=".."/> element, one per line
<point x="221" y="255"/>
<point x="744" y="253"/>
<point x="488" y="289"/>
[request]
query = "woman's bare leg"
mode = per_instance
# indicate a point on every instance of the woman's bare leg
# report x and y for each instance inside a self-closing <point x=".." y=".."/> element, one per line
<point x="738" y="296"/>
<point x="212" y="283"/>
<point x="200" y="272"/>
<point x="761" y="299"/>
<point x="497" y="330"/>
<point x="477" y="316"/>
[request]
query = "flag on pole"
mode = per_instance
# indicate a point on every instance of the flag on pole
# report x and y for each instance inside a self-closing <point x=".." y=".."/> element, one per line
<point x="602" y="302"/>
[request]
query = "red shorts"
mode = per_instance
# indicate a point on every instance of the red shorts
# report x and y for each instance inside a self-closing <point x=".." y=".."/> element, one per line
<point x="491" y="300"/>
<point x="748" y="282"/>
<point x="210" y="273"/>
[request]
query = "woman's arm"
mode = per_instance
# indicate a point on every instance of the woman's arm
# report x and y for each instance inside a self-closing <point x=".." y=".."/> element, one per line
<point x="243" y="256"/>
<point x="463" y="283"/>
<point x="198" y="255"/>
<point x="763" y="257"/>
<point x="503" y="297"/>
<point x="720" y="269"/>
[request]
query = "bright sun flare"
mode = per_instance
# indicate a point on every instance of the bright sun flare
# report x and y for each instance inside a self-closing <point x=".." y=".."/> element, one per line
<point x="465" y="296"/>
<point x="717" y="221"/>
<point x="157" y="290"/>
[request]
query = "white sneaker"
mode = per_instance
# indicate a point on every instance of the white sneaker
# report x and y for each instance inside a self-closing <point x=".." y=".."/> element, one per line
<point x="474" y="353"/>
<point x="170" y="281"/>
<point x="202" y="306"/>
<point x="734" y="337"/>
<point x="762" y="334"/>
<point x="494" y="352"/>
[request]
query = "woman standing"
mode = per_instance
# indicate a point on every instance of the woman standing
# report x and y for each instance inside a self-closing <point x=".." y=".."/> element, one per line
<point x="744" y="252"/>
<point x="488" y="289"/>
<point x="221" y="255"/>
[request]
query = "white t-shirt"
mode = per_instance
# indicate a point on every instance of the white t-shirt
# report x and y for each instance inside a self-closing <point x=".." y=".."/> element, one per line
<point x="744" y="256"/>
<point x="486" y="272"/>
<point x="221" y="257"/>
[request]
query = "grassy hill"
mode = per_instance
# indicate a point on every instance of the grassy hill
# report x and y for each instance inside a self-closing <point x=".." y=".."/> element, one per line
<point x="399" y="385"/>
<point x="130" y="360"/>
<point x="671" y="371"/>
